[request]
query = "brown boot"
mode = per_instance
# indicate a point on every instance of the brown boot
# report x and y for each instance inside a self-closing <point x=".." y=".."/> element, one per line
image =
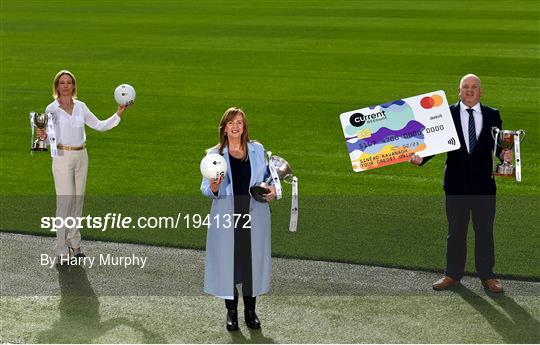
<point x="493" y="285"/>
<point x="444" y="283"/>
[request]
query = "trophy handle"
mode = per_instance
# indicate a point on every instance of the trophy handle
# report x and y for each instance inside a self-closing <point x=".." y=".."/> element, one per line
<point x="521" y="133"/>
<point x="495" y="132"/>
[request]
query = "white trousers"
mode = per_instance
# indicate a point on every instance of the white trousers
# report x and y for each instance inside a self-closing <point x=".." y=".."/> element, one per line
<point x="70" y="169"/>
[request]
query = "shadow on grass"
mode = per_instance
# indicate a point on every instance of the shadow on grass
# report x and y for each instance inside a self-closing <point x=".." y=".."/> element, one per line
<point x="255" y="337"/>
<point x="516" y="326"/>
<point x="80" y="320"/>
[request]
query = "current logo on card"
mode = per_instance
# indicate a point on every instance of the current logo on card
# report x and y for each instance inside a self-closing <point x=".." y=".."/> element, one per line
<point x="390" y="133"/>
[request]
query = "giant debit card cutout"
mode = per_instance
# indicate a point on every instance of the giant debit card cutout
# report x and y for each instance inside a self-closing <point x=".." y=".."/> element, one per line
<point x="392" y="132"/>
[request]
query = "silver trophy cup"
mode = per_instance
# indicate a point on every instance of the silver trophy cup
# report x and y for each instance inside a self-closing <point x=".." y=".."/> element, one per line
<point x="40" y="121"/>
<point x="283" y="171"/>
<point x="505" y="139"/>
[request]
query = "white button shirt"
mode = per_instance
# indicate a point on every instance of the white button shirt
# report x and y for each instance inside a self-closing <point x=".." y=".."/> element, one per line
<point x="70" y="128"/>
<point x="478" y="121"/>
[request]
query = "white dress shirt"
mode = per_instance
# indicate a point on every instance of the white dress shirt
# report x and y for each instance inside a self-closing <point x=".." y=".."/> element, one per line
<point x="478" y="121"/>
<point x="70" y="128"/>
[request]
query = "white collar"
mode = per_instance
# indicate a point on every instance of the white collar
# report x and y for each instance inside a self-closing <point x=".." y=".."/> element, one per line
<point x="476" y="107"/>
<point x="56" y="104"/>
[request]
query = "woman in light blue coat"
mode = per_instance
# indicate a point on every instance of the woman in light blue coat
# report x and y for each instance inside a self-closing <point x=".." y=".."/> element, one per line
<point x="238" y="240"/>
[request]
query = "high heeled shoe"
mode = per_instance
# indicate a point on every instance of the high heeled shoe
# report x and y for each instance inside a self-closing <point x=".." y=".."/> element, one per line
<point x="79" y="253"/>
<point x="63" y="260"/>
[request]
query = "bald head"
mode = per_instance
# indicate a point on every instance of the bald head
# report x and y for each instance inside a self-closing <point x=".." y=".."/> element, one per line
<point x="470" y="75"/>
<point x="470" y="90"/>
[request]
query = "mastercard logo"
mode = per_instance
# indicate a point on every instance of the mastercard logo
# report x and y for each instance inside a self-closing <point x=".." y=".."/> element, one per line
<point x="430" y="102"/>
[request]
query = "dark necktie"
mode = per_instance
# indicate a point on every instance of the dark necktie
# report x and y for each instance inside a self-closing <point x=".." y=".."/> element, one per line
<point x="472" y="130"/>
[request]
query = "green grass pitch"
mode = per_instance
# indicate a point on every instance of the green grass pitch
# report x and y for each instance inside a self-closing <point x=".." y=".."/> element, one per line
<point x="294" y="67"/>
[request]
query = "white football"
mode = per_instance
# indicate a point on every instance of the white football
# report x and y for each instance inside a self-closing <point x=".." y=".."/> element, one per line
<point x="213" y="166"/>
<point x="124" y="94"/>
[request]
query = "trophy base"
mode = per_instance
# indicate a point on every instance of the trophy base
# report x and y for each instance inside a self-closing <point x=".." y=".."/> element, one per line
<point x="510" y="175"/>
<point x="505" y="170"/>
<point x="39" y="145"/>
<point x="258" y="191"/>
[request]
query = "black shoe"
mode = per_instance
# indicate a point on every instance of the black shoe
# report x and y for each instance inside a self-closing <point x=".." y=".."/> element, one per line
<point x="232" y="320"/>
<point x="62" y="260"/>
<point x="252" y="321"/>
<point x="75" y="260"/>
<point x="78" y="255"/>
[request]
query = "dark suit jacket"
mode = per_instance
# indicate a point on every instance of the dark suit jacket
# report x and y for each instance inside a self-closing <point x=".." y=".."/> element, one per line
<point x="471" y="174"/>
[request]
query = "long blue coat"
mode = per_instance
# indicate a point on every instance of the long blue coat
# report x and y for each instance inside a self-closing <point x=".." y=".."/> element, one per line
<point x="219" y="269"/>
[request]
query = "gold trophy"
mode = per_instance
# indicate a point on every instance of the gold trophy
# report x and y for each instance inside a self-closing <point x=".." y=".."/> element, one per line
<point x="509" y="140"/>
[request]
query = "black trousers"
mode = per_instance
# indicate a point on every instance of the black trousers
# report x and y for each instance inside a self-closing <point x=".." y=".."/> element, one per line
<point x="459" y="209"/>
<point x="249" y="301"/>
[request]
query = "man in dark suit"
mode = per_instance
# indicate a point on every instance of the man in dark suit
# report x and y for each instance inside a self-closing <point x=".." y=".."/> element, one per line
<point x="469" y="186"/>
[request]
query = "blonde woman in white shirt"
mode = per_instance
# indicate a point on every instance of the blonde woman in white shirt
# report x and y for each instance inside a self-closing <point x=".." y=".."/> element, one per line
<point x="70" y="166"/>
